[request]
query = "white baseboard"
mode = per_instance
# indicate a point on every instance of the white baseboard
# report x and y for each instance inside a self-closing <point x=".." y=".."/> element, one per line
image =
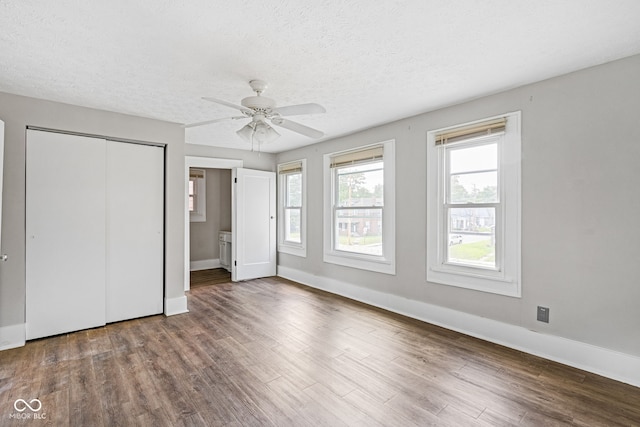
<point x="12" y="336"/>
<point x="173" y="306"/>
<point x="608" y="363"/>
<point x="205" y="264"/>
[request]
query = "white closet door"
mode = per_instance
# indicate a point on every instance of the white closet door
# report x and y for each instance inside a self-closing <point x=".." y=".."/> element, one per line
<point x="135" y="238"/>
<point x="65" y="232"/>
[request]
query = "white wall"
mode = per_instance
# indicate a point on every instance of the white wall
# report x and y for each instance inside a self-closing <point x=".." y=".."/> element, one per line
<point x="580" y="233"/>
<point x="19" y="112"/>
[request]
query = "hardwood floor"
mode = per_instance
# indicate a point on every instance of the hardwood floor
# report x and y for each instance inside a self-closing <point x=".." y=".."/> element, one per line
<point x="272" y="352"/>
<point x="214" y="276"/>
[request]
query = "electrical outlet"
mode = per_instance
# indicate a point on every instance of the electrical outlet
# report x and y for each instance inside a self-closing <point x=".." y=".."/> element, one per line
<point x="543" y="314"/>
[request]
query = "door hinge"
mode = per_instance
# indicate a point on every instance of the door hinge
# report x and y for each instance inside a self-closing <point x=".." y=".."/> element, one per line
<point x="235" y="262"/>
<point x="235" y="180"/>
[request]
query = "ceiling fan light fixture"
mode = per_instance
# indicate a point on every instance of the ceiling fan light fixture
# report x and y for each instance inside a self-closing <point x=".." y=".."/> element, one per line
<point x="264" y="133"/>
<point x="246" y="132"/>
<point x="258" y="132"/>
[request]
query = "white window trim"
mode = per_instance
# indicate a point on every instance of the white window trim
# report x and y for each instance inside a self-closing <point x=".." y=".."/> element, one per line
<point x="199" y="214"/>
<point x="381" y="264"/>
<point x="293" y="248"/>
<point x="507" y="280"/>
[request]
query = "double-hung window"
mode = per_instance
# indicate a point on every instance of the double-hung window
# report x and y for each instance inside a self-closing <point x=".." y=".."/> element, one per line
<point x="360" y="208"/>
<point x="292" y="230"/>
<point x="197" y="195"/>
<point x="473" y="196"/>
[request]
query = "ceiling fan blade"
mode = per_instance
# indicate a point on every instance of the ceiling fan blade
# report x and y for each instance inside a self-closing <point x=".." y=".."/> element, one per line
<point x="297" y="127"/>
<point x="207" y="122"/>
<point x="228" y="104"/>
<point x="295" y="110"/>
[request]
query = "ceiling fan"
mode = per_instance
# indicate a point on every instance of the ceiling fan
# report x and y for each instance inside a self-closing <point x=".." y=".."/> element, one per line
<point x="261" y="109"/>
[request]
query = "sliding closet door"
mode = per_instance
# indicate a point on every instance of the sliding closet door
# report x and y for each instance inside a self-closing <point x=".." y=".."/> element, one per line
<point x="135" y="223"/>
<point x="65" y="233"/>
<point x="1" y="175"/>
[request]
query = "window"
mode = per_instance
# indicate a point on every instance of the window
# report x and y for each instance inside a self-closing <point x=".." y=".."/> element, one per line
<point x="360" y="208"/>
<point x="473" y="213"/>
<point x="292" y="227"/>
<point x="197" y="195"/>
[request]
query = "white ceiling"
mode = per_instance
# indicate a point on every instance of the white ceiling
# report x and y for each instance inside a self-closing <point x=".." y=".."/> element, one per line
<point x="367" y="62"/>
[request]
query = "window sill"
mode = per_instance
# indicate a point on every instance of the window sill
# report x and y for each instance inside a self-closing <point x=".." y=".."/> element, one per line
<point x="478" y="282"/>
<point x="361" y="262"/>
<point x="297" y="250"/>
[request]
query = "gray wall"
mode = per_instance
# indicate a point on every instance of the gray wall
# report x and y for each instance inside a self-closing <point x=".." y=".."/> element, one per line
<point x="17" y="112"/>
<point x="203" y="240"/>
<point x="580" y="207"/>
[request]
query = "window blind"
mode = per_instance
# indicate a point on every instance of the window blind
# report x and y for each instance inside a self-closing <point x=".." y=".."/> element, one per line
<point x="368" y="155"/>
<point x="293" y="167"/>
<point x="490" y="127"/>
<point x="196" y="173"/>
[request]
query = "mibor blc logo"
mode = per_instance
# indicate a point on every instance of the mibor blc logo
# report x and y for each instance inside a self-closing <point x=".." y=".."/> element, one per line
<point x="28" y="410"/>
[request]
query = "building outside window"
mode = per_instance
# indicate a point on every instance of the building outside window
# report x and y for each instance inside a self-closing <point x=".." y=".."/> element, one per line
<point x="360" y="208"/>
<point x="360" y="199"/>
<point x="292" y="227"/>
<point x="473" y="196"/>
<point x="197" y="195"/>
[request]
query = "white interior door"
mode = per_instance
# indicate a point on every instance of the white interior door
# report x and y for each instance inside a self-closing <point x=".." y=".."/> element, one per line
<point x="135" y="237"/>
<point x="253" y="224"/>
<point x="65" y="233"/>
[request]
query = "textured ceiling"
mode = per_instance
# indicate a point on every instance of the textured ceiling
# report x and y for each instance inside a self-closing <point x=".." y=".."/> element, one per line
<point x="367" y="62"/>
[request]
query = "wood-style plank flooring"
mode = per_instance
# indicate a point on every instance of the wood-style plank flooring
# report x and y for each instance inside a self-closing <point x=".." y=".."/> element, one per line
<point x="271" y="352"/>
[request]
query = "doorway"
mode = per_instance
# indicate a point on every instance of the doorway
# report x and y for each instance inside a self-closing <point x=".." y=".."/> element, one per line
<point x="198" y="162"/>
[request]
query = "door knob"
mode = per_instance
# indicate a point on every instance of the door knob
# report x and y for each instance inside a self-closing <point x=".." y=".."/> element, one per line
<point x="4" y="257"/>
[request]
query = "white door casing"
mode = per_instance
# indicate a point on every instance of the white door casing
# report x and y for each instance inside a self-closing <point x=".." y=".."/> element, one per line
<point x="253" y="221"/>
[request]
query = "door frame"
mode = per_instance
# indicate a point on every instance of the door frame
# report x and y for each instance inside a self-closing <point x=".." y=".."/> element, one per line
<point x="198" y="162"/>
